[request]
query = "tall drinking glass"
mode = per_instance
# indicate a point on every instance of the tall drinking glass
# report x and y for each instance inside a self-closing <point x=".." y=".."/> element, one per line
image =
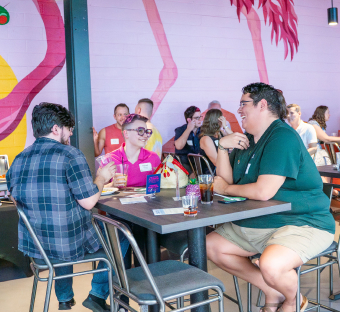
<point x="121" y="175"/>
<point x="104" y="160"/>
<point x="206" y="188"/>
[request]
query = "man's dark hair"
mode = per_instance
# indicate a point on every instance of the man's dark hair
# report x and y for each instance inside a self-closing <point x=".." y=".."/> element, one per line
<point x="190" y="111"/>
<point x="130" y="119"/>
<point x="274" y="97"/>
<point x="146" y="100"/>
<point x="121" y="105"/>
<point x="46" y="115"/>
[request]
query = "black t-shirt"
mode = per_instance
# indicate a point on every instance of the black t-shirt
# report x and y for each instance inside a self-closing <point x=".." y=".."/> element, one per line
<point x="202" y="152"/>
<point x="192" y="146"/>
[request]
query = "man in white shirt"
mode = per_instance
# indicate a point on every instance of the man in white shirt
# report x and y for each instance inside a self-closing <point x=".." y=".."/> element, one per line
<point x="305" y="130"/>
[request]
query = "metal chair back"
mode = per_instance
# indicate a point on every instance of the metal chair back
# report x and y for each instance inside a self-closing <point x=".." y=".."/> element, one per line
<point x="48" y="265"/>
<point x="36" y="241"/>
<point x="112" y="249"/>
<point x="197" y="162"/>
<point x="332" y="148"/>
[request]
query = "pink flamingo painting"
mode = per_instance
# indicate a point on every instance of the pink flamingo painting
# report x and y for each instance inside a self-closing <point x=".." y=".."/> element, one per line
<point x="282" y="19"/>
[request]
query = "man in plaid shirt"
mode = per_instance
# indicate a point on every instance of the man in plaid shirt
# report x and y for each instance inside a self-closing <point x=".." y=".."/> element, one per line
<point x="51" y="181"/>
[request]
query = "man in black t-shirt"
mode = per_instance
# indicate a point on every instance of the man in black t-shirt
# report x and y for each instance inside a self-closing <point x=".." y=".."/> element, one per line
<point x="186" y="136"/>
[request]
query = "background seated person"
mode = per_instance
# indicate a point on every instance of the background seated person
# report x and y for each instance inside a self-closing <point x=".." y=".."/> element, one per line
<point x="209" y="137"/>
<point x="270" y="162"/>
<point x="305" y="130"/>
<point x="318" y="121"/>
<point x="187" y="136"/>
<point x="225" y="128"/>
<point x="141" y="161"/>
<point x="110" y="138"/>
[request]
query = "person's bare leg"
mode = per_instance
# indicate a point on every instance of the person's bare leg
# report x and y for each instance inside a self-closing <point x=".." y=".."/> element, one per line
<point x="235" y="261"/>
<point x="277" y="265"/>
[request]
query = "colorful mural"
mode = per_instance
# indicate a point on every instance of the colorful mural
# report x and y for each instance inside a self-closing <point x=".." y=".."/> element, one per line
<point x="169" y="72"/>
<point x="4" y="16"/>
<point x="14" y="106"/>
<point x="282" y="19"/>
<point x="13" y="144"/>
<point x="179" y="53"/>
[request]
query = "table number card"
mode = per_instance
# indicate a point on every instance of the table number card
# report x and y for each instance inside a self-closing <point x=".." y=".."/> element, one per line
<point x="125" y="201"/>
<point x="153" y="183"/>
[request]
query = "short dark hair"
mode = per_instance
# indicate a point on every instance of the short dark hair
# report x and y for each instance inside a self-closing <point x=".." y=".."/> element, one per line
<point x="46" y="115"/>
<point x="190" y="111"/>
<point x="146" y="100"/>
<point x="121" y="105"/>
<point x="274" y="97"/>
<point x="130" y="119"/>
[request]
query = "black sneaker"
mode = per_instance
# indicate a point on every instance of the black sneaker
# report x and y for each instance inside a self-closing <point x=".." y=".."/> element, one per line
<point x="96" y="304"/>
<point x="67" y="305"/>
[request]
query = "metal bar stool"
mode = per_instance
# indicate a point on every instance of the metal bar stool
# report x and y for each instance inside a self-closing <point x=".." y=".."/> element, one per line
<point x="51" y="264"/>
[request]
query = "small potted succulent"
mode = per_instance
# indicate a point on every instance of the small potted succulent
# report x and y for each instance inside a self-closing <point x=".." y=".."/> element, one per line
<point x="193" y="188"/>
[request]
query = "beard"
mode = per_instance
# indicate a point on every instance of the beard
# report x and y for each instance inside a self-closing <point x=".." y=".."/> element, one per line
<point x="64" y="141"/>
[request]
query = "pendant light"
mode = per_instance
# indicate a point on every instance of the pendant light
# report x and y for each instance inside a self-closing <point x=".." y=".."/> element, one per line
<point x="332" y="15"/>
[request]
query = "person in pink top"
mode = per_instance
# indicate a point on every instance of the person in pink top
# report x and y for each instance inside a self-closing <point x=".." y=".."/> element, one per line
<point x="141" y="161"/>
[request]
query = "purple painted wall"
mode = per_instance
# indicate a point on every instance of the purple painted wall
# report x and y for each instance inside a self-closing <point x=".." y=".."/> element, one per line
<point x="185" y="52"/>
<point x="214" y="55"/>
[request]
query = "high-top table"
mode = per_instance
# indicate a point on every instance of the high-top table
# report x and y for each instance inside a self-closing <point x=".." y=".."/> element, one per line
<point x="215" y="213"/>
<point x="329" y="171"/>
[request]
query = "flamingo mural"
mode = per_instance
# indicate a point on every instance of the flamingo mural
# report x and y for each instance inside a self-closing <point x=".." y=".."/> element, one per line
<point x="282" y="19"/>
<point x="279" y="15"/>
<point x="14" y="106"/>
<point x="169" y="72"/>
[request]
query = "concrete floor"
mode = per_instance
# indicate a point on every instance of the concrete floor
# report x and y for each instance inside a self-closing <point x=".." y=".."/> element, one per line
<point x="15" y="294"/>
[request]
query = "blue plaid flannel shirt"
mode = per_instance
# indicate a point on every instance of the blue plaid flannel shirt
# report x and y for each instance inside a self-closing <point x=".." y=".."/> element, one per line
<point x="46" y="180"/>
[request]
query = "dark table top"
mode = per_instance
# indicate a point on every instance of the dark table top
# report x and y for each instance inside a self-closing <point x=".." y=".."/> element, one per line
<point x="328" y="171"/>
<point x="215" y="213"/>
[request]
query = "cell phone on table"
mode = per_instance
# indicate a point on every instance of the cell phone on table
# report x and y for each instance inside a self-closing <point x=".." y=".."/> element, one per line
<point x="231" y="199"/>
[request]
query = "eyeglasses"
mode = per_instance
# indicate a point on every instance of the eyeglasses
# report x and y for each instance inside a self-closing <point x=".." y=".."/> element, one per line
<point x="198" y="118"/>
<point x="141" y="130"/>
<point x="70" y="128"/>
<point x="242" y="103"/>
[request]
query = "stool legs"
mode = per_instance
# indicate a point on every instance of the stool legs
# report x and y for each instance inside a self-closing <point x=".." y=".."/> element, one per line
<point x="318" y="298"/>
<point x="48" y="291"/>
<point x="249" y="297"/>
<point x="259" y="296"/>
<point x="34" y="291"/>
<point x="298" y="270"/>
<point x="238" y="294"/>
